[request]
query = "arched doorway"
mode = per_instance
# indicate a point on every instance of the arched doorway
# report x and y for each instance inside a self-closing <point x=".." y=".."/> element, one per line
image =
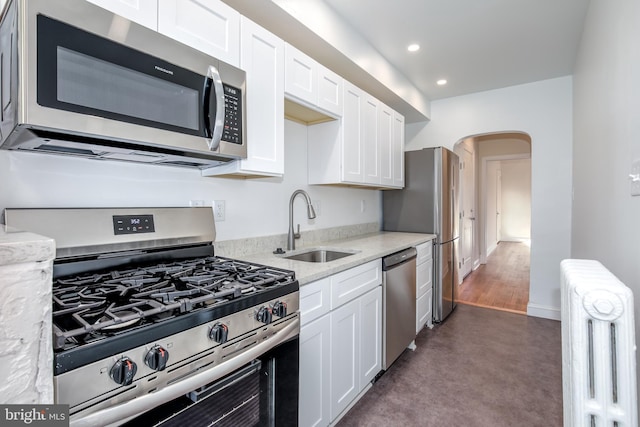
<point x="495" y="220"/>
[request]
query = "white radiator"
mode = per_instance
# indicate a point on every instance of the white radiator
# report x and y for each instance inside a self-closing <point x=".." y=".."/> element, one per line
<point x="598" y="347"/>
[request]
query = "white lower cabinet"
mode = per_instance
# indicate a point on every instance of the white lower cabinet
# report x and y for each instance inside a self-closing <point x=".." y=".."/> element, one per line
<point x="340" y="348"/>
<point x="314" y="373"/>
<point x="345" y="355"/>
<point x="424" y="286"/>
<point x="370" y="336"/>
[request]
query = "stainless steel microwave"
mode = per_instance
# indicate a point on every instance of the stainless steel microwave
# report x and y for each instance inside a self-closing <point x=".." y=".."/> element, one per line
<point x="76" y="79"/>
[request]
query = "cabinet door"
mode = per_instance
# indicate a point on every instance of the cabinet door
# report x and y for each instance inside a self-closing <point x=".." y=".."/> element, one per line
<point x="301" y="75"/>
<point x="370" y="335"/>
<point x="424" y="311"/>
<point x="262" y="57"/>
<point x="369" y="141"/>
<point x="424" y="274"/>
<point x="345" y="356"/>
<point x="398" y="150"/>
<point x="352" y="155"/>
<point x="315" y="367"/>
<point x="385" y="139"/>
<point x="207" y="25"/>
<point x="330" y="88"/>
<point x="143" y="12"/>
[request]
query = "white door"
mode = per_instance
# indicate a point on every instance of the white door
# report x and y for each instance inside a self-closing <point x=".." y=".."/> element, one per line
<point x="491" y="200"/>
<point x="468" y="214"/>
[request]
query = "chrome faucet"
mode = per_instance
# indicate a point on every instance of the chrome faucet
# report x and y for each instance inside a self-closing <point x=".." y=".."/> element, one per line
<point x="311" y="213"/>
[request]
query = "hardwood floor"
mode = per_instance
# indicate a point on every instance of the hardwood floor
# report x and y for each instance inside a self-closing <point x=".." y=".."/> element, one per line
<point x="502" y="283"/>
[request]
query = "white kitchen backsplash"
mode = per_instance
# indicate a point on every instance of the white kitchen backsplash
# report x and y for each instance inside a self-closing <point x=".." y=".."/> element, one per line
<point x="254" y="207"/>
<point x="240" y="247"/>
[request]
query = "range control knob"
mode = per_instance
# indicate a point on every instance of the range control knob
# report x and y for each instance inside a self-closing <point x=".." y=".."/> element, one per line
<point x="219" y="333"/>
<point x="279" y="308"/>
<point x="157" y="358"/>
<point x="123" y="371"/>
<point x="264" y="315"/>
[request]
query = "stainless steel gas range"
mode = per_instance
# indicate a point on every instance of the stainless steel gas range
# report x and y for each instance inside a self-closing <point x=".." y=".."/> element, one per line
<point x="150" y="327"/>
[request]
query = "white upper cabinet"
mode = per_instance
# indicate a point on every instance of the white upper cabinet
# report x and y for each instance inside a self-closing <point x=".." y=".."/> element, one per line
<point x="301" y="75"/>
<point x="262" y="57"/>
<point x="143" y="12"/>
<point x="363" y="148"/>
<point x="352" y="155"/>
<point x="385" y="138"/>
<point x="311" y="84"/>
<point x="330" y="86"/>
<point x="210" y="26"/>
<point x="369" y="141"/>
<point x="397" y="147"/>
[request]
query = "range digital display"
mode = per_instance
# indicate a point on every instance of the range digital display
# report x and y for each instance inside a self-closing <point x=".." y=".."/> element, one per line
<point x="133" y="224"/>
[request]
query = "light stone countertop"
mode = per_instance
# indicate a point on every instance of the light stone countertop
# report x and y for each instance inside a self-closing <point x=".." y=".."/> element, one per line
<point x="369" y="247"/>
<point x="17" y="247"/>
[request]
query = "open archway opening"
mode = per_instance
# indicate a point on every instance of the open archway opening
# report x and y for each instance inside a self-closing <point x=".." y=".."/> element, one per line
<point x="495" y="220"/>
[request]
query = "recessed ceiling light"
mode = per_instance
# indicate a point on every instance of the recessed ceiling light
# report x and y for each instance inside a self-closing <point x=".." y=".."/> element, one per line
<point x="413" y="47"/>
<point x="441" y="82"/>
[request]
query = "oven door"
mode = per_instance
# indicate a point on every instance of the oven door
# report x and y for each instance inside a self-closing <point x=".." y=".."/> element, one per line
<point x="262" y="393"/>
<point x="274" y="359"/>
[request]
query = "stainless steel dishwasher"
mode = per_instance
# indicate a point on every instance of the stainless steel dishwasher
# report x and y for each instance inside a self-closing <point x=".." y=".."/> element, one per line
<point x="398" y="304"/>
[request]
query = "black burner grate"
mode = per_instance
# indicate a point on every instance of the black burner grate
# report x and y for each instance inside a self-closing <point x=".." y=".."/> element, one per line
<point x="94" y="306"/>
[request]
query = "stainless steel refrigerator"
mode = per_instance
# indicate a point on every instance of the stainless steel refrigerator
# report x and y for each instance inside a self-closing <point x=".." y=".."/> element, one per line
<point x="429" y="204"/>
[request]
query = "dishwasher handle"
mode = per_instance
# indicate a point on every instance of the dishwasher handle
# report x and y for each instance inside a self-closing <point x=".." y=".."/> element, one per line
<point x="398" y="258"/>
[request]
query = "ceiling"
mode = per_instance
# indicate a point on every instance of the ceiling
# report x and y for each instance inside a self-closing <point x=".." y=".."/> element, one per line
<point x="476" y="45"/>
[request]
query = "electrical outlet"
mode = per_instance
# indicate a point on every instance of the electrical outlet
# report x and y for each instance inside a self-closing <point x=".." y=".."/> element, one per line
<point x="218" y="210"/>
<point x="363" y="205"/>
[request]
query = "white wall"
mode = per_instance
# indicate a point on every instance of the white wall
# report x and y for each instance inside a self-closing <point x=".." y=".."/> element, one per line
<point x="254" y="207"/>
<point x="516" y="200"/>
<point x="543" y="110"/>
<point x="606" y="219"/>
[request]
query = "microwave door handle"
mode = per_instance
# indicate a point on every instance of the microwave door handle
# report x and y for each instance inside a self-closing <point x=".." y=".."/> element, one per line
<point x="215" y="102"/>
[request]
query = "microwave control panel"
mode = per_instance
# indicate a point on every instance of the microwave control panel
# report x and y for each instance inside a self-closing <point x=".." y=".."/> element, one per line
<point x="232" y="115"/>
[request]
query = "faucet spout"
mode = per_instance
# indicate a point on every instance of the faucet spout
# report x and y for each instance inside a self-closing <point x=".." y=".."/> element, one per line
<point x="311" y="214"/>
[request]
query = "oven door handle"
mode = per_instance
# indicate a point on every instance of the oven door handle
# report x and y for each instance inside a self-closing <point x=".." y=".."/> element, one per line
<point x="123" y="412"/>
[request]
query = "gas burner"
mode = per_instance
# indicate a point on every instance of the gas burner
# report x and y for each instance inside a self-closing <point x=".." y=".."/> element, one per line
<point x="93" y="306"/>
<point x="134" y="318"/>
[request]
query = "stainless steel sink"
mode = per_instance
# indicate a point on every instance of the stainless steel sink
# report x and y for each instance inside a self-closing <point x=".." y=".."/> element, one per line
<point x="319" y="255"/>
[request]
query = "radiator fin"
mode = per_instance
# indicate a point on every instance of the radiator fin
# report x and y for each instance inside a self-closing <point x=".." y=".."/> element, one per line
<point x="598" y="347"/>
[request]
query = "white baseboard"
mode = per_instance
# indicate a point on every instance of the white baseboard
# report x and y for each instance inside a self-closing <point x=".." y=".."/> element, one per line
<point x="543" y="311"/>
<point x="515" y="239"/>
<point x="491" y="249"/>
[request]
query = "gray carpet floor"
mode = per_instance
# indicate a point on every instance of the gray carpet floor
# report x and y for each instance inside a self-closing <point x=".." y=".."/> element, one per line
<point x="480" y="367"/>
